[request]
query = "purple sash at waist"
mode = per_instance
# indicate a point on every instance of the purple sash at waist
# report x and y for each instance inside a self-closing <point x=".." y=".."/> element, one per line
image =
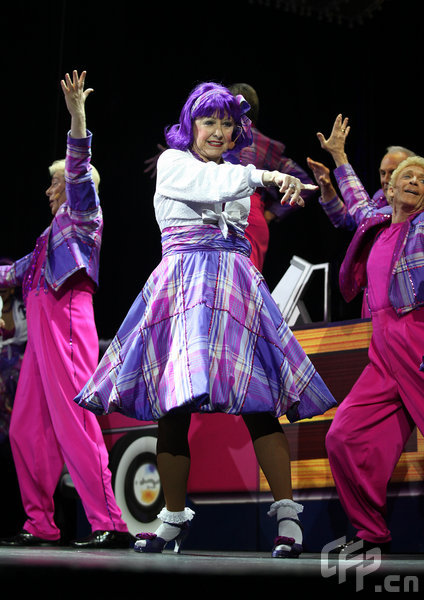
<point x="203" y="238"/>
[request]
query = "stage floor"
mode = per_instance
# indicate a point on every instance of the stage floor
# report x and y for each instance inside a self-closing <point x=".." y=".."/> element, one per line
<point x="195" y="573"/>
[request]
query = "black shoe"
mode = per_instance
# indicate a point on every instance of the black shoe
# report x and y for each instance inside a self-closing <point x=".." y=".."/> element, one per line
<point x="104" y="539"/>
<point x="23" y="538"/>
<point x="358" y="546"/>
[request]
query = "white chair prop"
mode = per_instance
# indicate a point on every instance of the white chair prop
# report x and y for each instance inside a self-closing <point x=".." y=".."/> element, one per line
<point x="289" y="293"/>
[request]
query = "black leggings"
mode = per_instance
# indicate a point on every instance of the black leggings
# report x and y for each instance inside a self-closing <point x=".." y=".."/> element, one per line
<point x="173" y="430"/>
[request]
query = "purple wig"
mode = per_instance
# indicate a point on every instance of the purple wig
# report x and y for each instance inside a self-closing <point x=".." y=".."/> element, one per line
<point x="206" y="100"/>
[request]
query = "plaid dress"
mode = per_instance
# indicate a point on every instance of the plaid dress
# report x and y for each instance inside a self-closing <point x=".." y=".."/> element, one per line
<point x="205" y="335"/>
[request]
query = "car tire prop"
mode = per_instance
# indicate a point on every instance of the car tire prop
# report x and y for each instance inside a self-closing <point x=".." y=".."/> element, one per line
<point x="136" y="481"/>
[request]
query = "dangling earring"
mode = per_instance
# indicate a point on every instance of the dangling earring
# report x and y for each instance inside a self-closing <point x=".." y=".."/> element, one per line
<point x="231" y="145"/>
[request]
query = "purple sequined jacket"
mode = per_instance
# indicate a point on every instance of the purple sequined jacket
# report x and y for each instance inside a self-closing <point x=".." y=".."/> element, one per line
<point x="406" y="287"/>
<point x="357" y="204"/>
<point x="75" y="233"/>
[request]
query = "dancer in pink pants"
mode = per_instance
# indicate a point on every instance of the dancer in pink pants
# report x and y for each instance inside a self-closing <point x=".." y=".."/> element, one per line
<point x="58" y="279"/>
<point x="373" y="423"/>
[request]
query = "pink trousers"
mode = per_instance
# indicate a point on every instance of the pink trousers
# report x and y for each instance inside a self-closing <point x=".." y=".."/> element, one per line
<point x="47" y="428"/>
<point x="373" y="423"/>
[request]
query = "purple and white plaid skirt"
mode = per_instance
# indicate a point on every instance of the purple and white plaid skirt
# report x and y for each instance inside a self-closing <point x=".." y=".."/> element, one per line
<point x="205" y="334"/>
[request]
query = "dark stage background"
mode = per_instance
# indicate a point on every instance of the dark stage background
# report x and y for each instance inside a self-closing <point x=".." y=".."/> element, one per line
<point x="143" y="58"/>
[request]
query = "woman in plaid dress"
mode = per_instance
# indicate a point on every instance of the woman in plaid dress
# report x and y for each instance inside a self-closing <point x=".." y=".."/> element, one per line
<point x="204" y="334"/>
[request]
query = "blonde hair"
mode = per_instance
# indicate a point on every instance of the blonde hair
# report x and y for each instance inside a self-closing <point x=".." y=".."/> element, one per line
<point x="411" y="160"/>
<point x="58" y="166"/>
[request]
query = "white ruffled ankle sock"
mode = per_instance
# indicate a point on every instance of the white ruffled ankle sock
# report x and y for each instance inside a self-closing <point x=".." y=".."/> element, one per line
<point x="171" y="522"/>
<point x="285" y="510"/>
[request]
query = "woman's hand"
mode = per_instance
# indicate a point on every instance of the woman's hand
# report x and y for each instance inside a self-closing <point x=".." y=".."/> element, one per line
<point x="288" y="185"/>
<point x="320" y="171"/>
<point x="323" y="179"/>
<point x="75" y="97"/>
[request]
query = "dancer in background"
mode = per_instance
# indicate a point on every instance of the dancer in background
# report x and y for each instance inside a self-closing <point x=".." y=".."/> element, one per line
<point x="58" y="280"/>
<point x="265" y="203"/>
<point x="13" y="338"/>
<point x="356" y="204"/>
<point x="204" y="334"/>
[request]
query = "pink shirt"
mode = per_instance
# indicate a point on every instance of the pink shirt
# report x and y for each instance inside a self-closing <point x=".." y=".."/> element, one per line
<point x="378" y="267"/>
